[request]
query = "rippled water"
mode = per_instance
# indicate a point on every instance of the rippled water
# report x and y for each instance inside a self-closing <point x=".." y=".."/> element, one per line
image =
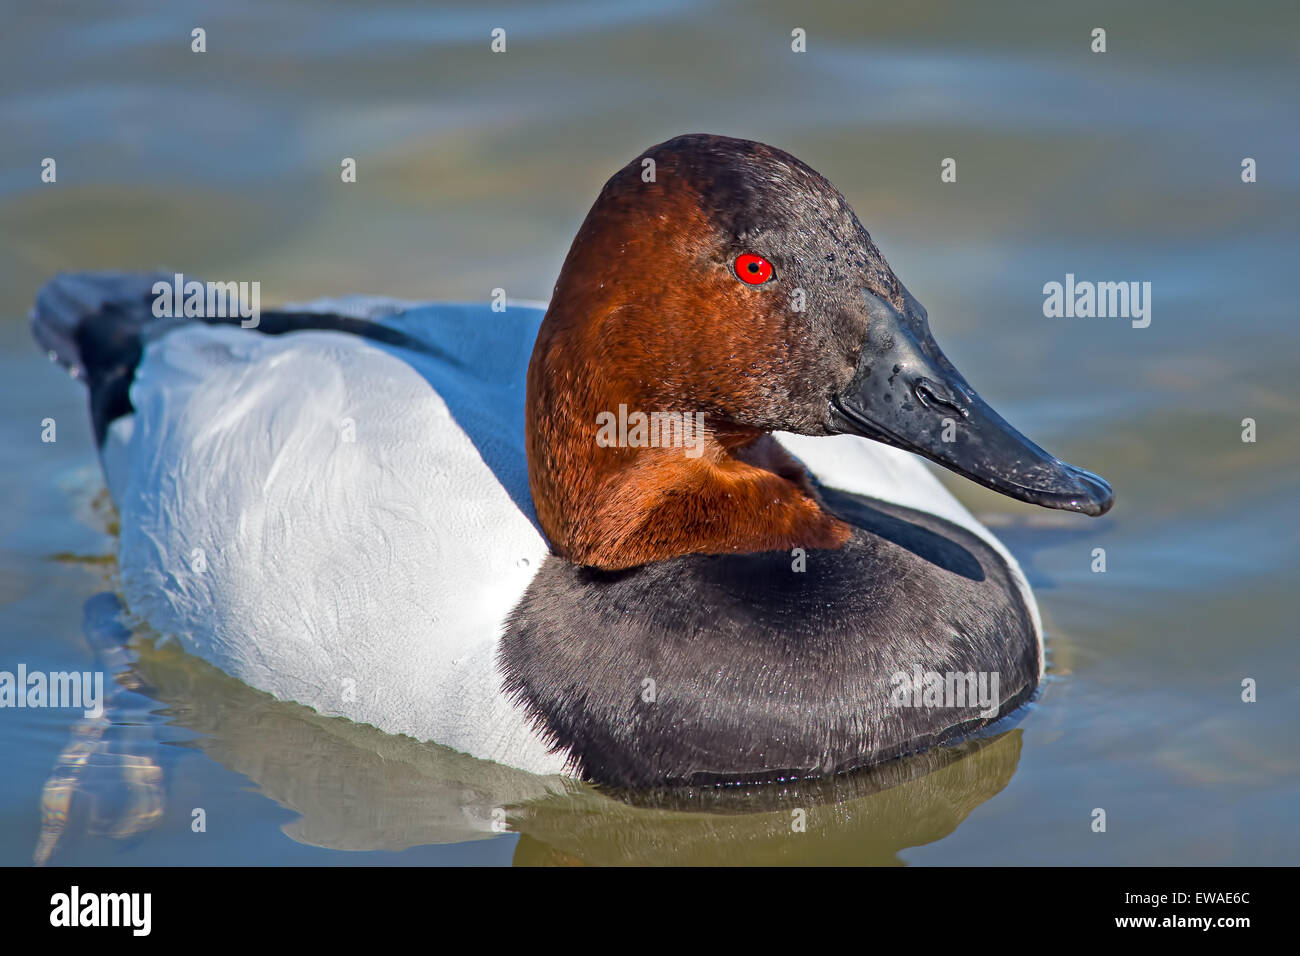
<point x="474" y="172"/>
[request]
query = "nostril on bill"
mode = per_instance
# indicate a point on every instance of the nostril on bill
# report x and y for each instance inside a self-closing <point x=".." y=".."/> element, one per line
<point x="932" y="395"/>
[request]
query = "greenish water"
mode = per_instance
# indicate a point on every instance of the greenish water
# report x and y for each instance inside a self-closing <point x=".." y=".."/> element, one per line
<point x="474" y="171"/>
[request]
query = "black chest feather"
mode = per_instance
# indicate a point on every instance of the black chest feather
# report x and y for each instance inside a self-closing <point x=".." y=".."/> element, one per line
<point x="723" y="669"/>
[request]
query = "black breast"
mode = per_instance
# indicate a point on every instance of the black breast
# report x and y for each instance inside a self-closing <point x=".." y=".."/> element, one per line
<point x="723" y="669"/>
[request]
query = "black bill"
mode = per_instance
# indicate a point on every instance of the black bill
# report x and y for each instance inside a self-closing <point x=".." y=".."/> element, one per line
<point x="907" y="394"/>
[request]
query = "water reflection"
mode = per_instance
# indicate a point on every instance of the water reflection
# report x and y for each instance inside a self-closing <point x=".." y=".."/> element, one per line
<point x="107" y="780"/>
<point x="356" y="788"/>
<point x="865" y="819"/>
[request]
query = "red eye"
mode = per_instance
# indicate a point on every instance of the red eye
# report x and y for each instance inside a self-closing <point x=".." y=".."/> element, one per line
<point x="753" y="269"/>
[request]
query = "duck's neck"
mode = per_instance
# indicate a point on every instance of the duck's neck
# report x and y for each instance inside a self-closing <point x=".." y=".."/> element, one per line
<point x="659" y="491"/>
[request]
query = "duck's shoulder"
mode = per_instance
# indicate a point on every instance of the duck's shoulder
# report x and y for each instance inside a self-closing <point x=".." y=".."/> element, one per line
<point x="475" y="341"/>
<point x="735" y="668"/>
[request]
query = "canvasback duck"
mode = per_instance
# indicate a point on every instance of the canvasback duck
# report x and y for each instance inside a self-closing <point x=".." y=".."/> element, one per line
<point x="653" y="534"/>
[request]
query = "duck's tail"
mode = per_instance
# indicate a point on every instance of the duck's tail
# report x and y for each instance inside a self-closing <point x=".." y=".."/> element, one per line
<point x="82" y="318"/>
<point x="93" y="324"/>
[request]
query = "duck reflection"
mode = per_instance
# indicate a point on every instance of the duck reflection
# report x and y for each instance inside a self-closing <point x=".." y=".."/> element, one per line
<point x="356" y="788"/>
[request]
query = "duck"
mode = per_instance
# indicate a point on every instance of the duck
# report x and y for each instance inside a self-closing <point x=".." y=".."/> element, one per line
<point x="670" y="529"/>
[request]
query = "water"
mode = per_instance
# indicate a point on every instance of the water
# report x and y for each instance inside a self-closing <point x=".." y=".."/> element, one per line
<point x="474" y="171"/>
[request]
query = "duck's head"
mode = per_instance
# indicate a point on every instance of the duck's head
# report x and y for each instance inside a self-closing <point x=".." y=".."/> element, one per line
<point x="725" y="278"/>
